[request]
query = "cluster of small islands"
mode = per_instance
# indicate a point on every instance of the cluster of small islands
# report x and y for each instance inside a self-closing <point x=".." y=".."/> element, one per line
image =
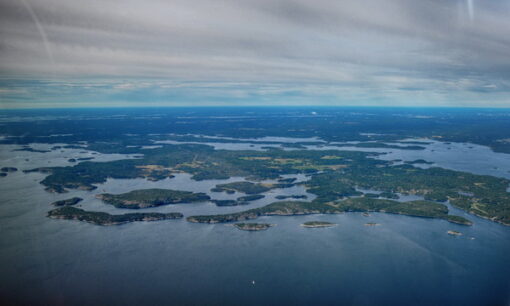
<point x="335" y="177"/>
<point x="5" y="170"/>
<point x="340" y="181"/>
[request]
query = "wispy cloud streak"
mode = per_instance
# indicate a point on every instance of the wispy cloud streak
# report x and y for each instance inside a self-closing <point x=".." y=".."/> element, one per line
<point x="41" y="30"/>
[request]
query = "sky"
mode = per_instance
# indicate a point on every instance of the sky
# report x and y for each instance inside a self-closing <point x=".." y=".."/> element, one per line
<point x="97" y="53"/>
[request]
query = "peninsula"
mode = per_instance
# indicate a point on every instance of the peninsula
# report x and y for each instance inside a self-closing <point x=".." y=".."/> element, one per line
<point x="423" y="209"/>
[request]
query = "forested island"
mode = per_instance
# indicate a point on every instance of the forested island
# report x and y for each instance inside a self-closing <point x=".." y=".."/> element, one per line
<point x="249" y="187"/>
<point x="144" y="198"/>
<point x="244" y="200"/>
<point x="228" y="202"/>
<point x="102" y="218"/>
<point x="423" y="209"/>
<point x="244" y="187"/>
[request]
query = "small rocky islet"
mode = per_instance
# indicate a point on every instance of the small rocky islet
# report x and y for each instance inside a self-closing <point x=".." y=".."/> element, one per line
<point x="252" y="226"/>
<point x="317" y="224"/>
<point x="454" y="233"/>
<point x="67" y="202"/>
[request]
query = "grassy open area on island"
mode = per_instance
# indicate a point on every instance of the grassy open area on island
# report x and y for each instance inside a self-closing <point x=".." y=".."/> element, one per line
<point x="317" y="224"/>
<point x="144" y="198"/>
<point x="102" y="218"/>
<point x="66" y="202"/>
<point x="252" y="226"/>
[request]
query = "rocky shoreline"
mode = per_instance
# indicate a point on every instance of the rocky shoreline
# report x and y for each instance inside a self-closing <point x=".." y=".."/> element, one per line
<point x="102" y="218"/>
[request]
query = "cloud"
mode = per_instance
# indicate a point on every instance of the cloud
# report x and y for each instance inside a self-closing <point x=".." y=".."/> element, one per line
<point x="286" y="51"/>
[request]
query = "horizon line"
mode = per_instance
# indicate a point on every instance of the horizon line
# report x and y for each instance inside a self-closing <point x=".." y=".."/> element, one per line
<point x="254" y="106"/>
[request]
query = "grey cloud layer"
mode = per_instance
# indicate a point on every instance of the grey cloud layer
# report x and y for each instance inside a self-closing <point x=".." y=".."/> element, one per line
<point x="373" y="49"/>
